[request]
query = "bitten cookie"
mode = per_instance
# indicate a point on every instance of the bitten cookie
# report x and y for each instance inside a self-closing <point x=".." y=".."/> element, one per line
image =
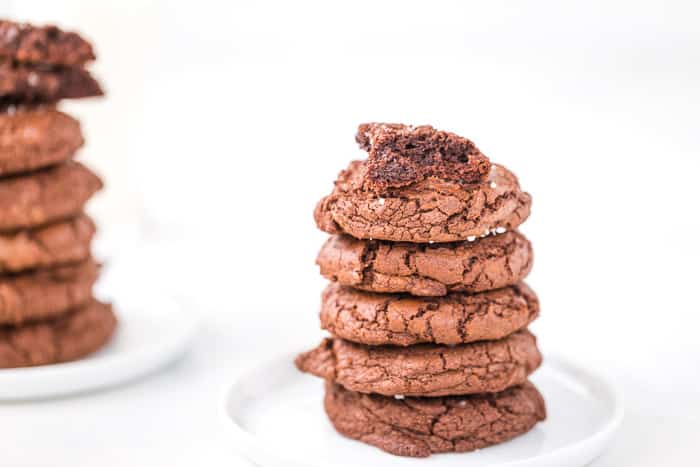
<point x="24" y="84"/>
<point x="43" y="64"/>
<point x="67" y="337"/>
<point x="425" y="369"/>
<point x="399" y="155"/>
<point x="418" y="427"/>
<point x="423" y="269"/>
<point x="45" y="247"/>
<point x="34" y="138"/>
<point x="45" y="293"/>
<point x="379" y="319"/>
<point x="431" y="210"/>
<point x="47" y="196"/>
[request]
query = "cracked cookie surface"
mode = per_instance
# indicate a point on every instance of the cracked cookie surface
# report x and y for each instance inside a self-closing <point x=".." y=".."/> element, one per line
<point x="423" y="269"/>
<point x="45" y="293"/>
<point x="44" y="247"/>
<point x="419" y="427"/>
<point x="34" y="138"/>
<point x="425" y="369"/>
<point x="432" y="210"/>
<point x="379" y="319"/>
<point x="70" y="336"/>
<point x="46" y="196"/>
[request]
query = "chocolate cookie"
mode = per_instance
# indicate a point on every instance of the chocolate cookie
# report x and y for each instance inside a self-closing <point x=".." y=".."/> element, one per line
<point x="400" y="155"/>
<point x="20" y="84"/>
<point x="46" y="45"/>
<point x="426" y="270"/>
<point x="379" y="319"/>
<point x="67" y="337"/>
<point x="432" y="210"/>
<point x="418" y="427"/>
<point x="47" y="196"/>
<point x="45" y="293"/>
<point x="45" y="247"/>
<point x="425" y="369"/>
<point x="34" y="138"/>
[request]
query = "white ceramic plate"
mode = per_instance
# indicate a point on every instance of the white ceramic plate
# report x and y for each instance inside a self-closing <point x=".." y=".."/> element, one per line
<point x="152" y="331"/>
<point x="276" y="418"/>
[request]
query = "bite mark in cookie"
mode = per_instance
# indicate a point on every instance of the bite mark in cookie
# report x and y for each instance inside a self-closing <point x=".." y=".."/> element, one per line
<point x="400" y="155"/>
<point x="419" y="427"/>
<point x="381" y="319"/>
<point x="424" y="269"/>
<point x="425" y="369"/>
<point x="68" y="337"/>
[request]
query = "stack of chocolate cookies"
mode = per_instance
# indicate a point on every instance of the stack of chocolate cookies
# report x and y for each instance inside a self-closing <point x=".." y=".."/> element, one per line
<point x="430" y="350"/>
<point x="47" y="311"/>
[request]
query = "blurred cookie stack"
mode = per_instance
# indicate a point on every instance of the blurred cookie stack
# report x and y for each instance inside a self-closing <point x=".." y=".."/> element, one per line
<point x="47" y="311"/>
<point x="430" y="349"/>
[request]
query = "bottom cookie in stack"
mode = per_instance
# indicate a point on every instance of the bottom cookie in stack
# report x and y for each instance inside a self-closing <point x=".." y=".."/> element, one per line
<point x="420" y="426"/>
<point x="70" y="336"/>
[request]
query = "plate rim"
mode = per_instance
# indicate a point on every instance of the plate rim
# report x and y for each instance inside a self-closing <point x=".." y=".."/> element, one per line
<point x="246" y="442"/>
<point x="156" y="355"/>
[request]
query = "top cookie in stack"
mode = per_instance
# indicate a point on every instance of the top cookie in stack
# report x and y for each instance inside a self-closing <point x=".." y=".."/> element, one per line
<point x="430" y="349"/>
<point x="47" y="312"/>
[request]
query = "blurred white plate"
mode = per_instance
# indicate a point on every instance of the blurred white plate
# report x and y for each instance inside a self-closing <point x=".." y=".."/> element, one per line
<point x="276" y="418"/>
<point x="152" y="332"/>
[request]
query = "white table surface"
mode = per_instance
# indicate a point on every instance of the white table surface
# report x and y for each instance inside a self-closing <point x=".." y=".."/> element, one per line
<point x="173" y="417"/>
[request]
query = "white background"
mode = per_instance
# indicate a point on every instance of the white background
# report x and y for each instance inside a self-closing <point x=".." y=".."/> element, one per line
<point x="226" y="121"/>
